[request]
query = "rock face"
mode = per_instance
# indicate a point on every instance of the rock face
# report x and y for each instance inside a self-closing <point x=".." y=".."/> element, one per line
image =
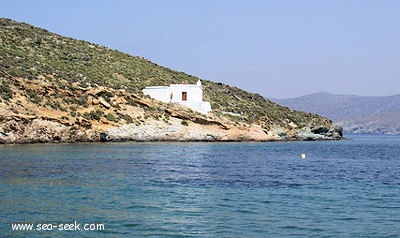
<point x="17" y="130"/>
<point x="40" y="131"/>
<point x="176" y="131"/>
<point x="321" y="133"/>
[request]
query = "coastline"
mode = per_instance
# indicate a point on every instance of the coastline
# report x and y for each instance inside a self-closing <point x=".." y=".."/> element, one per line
<point x="44" y="131"/>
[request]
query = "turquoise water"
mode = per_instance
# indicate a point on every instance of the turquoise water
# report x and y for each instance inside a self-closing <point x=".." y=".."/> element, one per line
<point x="342" y="189"/>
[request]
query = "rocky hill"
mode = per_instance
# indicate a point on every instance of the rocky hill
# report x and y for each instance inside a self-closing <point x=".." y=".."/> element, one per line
<point x="356" y="114"/>
<point x="58" y="89"/>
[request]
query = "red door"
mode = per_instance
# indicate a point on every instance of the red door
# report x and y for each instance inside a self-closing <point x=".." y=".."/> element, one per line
<point x="184" y="96"/>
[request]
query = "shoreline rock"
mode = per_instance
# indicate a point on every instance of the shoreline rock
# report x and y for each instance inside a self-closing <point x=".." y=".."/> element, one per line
<point x="45" y="131"/>
<point x="321" y="133"/>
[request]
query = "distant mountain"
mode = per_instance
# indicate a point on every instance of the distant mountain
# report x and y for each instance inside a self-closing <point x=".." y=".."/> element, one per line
<point x="356" y="114"/>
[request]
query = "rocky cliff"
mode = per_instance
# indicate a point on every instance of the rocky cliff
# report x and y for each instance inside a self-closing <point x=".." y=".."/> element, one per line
<point x="58" y="89"/>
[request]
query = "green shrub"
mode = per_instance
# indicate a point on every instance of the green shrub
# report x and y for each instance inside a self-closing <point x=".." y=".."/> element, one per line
<point x="86" y="115"/>
<point x="96" y="115"/>
<point x="93" y="115"/>
<point x="126" y="117"/>
<point x="107" y="96"/>
<point x="82" y="101"/>
<point x="111" y="117"/>
<point x="33" y="96"/>
<point x="6" y="92"/>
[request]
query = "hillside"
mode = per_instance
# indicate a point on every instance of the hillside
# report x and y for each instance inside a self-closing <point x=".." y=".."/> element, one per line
<point x="55" y="88"/>
<point x="356" y="114"/>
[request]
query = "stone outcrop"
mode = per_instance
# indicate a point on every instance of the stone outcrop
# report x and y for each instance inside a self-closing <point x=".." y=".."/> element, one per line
<point x="17" y="130"/>
<point x="321" y="133"/>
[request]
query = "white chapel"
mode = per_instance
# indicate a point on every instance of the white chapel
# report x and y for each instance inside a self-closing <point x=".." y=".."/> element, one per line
<point x="190" y="95"/>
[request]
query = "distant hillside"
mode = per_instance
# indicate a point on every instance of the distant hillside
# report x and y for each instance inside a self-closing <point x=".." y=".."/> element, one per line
<point x="89" y="88"/>
<point x="356" y="114"/>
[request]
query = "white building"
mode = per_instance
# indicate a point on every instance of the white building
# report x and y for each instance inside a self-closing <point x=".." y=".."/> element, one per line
<point x="190" y="95"/>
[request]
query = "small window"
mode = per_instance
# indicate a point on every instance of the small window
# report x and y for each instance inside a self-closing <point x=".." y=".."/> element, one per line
<point x="184" y="96"/>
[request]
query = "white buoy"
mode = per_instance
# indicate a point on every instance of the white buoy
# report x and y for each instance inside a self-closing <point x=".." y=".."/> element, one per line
<point x="302" y="156"/>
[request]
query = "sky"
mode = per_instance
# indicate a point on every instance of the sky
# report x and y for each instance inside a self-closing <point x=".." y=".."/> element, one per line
<point x="279" y="49"/>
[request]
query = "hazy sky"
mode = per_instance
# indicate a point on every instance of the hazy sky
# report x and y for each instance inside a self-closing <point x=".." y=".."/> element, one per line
<point x="281" y="48"/>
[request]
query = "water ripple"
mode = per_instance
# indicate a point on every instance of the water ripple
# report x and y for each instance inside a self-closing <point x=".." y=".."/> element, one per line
<point x="342" y="189"/>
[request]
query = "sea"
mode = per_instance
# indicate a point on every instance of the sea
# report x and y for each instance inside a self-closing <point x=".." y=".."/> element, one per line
<point x="347" y="188"/>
